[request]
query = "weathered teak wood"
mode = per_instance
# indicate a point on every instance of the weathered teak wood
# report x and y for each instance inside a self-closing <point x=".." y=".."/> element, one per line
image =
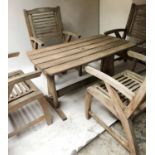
<point x="21" y="91"/>
<point x="135" y="29"/>
<point x="122" y="95"/>
<point x="60" y="58"/>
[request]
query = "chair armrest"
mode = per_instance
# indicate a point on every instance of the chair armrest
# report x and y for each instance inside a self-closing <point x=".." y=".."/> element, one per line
<point x="69" y="35"/>
<point x="110" y="81"/>
<point x="137" y="56"/>
<point x="116" y="32"/>
<point x="23" y="77"/>
<point x="37" y="41"/>
<point x="13" y="54"/>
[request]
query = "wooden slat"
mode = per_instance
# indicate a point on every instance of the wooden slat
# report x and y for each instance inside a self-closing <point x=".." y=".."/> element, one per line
<point x="90" y="58"/>
<point x="79" y="55"/>
<point x="17" y="91"/>
<point x="39" y="20"/>
<point x="80" y="51"/>
<point x="42" y="25"/>
<point x="42" y="29"/>
<point x="62" y="45"/>
<point x="40" y="16"/>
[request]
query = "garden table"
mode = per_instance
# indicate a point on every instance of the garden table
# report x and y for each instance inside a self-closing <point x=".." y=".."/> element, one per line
<point x="60" y="58"/>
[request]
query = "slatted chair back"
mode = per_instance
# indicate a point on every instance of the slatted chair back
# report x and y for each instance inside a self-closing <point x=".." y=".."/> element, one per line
<point x="44" y="23"/>
<point x="136" y="25"/>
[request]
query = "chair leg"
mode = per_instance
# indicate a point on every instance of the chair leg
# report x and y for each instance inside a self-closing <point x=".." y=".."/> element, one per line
<point x="80" y="71"/>
<point x="134" y="65"/>
<point x="127" y="126"/>
<point x="45" y="108"/>
<point x="88" y="101"/>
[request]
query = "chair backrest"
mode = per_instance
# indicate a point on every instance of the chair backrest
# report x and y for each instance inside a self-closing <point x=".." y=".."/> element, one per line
<point x="136" y="25"/>
<point x="44" y="23"/>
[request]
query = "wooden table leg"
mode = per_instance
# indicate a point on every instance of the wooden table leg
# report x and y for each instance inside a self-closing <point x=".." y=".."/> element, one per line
<point x="52" y="90"/>
<point x="54" y="100"/>
<point x="107" y="65"/>
<point x="57" y="110"/>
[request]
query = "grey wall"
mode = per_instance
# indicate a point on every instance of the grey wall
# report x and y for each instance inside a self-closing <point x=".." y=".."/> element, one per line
<point x="80" y="16"/>
<point x="139" y="1"/>
<point x="114" y="13"/>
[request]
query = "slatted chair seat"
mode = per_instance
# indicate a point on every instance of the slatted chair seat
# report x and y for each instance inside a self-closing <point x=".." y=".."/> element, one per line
<point x="21" y="93"/>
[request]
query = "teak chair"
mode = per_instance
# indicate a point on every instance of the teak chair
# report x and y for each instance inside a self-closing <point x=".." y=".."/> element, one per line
<point x="134" y="31"/>
<point x="124" y="96"/>
<point x="45" y="27"/>
<point x="21" y="91"/>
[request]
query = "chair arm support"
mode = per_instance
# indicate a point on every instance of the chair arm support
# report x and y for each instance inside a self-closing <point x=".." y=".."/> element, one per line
<point x="37" y="41"/>
<point x="71" y="34"/>
<point x="116" y="32"/>
<point x="24" y="77"/>
<point x="111" y="81"/>
<point x="137" y="56"/>
<point x="13" y="54"/>
<point x="68" y="36"/>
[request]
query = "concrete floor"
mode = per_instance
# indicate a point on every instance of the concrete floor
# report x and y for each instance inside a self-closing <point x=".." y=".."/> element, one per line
<point x="105" y="144"/>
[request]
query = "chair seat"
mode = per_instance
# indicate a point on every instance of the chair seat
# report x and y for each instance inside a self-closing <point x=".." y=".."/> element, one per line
<point x="129" y="79"/>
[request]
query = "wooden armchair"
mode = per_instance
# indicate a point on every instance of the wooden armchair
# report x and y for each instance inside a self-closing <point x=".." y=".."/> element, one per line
<point x="21" y="91"/>
<point x="124" y="96"/>
<point x="134" y="31"/>
<point x="45" y="27"/>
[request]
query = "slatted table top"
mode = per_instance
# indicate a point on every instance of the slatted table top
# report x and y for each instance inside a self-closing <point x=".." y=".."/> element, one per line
<point x="62" y="57"/>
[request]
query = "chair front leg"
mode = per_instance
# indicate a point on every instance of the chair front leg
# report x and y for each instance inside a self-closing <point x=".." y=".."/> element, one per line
<point x="127" y="126"/>
<point x="80" y="71"/>
<point x="88" y="101"/>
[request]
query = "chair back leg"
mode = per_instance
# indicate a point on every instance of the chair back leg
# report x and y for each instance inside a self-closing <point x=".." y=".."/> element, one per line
<point x="88" y="101"/>
<point x="44" y="105"/>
